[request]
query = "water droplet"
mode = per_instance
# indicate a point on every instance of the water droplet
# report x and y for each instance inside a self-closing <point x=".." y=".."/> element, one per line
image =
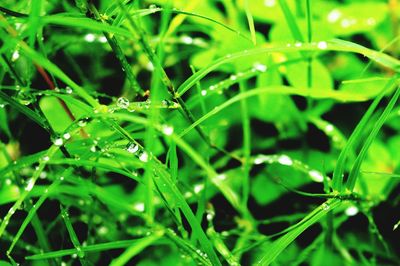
<point x="221" y="177"/>
<point x="8" y="182"/>
<point x="260" y="67"/>
<point x="132" y="148"/>
<point x="203" y="92"/>
<point x="285" y="160"/>
<point x="259" y="160"/>
<point x="233" y="77"/>
<point x="61" y="178"/>
<point x="269" y="3"/>
<point x="90" y="37"/>
<point x="371" y="21"/>
<point x="30" y="184"/>
<point x="45" y="158"/>
<point x="58" y="142"/>
<point x="68" y="90"/>
<point x="67" y="136"/>
<point x="186" y="39"/>
<point x="334" y="16"/>
<point x="329" y="128"/>
<point x="209" y="216"/>
<point x="345" y="23"/>
<point x="325" y="206"/>
<point x="168" y="130"/>
<point x="74" y="256"/>
<point x="82" y="122"/>
<point x="2" y="105"/>
<point x="103" y="230"/>
<point x="351" y="211"/>
<point x="15" y="56"/>
<point x="144" y="157"/>
<point x="123" y="103"/>
<point x="212" y="87"/>
<point x="153" y="6"/>
<point x="43" y="175"/>
<point x="150" y="66"/>
<point x="197" y="188"/>
<point x="102" y="39"/>
<point x="298" y="44"/>
<point x="139" y="206"/>
<point x="93" y="148"/>
<point x="322" y="45"/>
<point x="316" y="176"/>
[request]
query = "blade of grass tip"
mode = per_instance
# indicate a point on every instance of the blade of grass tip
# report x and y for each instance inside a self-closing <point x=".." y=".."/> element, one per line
<point x="214" y="21"/>
<point x="42" y="163"/>
<point x="132" y="251"/>
<point x="33" y="21"/>
<point x="178" y="19"/>
<point x="250" y="21"/>
<point x="337" y="179"/>
<point x="115" y="46"/>
<point x="72" y="234"/>
<point x="291" y="21"/>
<point x="279" y="245"/>
<point x="355" y="170"/>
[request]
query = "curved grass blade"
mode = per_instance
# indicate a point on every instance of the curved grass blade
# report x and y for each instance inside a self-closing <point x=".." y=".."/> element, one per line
<point x="279" y="90"/>
<point x="333" y="45"/>
<point x="33" y="211"/>
<point x="42" y="163"/>
<point x="279" y="245"/>
<point x="355" y="170"/>
<point x="337" y="178"/>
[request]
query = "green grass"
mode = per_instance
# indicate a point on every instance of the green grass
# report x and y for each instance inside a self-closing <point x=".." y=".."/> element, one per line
<point x="199" y="133"/>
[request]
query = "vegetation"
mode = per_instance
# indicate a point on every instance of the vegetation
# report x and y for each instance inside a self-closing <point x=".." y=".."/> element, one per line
<point x="202" y="132"/>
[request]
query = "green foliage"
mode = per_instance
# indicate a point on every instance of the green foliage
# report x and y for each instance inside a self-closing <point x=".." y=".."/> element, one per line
<point x="199" y="132"/>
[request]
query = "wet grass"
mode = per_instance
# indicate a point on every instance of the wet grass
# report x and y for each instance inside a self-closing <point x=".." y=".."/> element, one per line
<point x="181" y="133"/>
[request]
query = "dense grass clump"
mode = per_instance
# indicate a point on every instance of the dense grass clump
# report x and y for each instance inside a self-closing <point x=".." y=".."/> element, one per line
<point x="203" y="132"/>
